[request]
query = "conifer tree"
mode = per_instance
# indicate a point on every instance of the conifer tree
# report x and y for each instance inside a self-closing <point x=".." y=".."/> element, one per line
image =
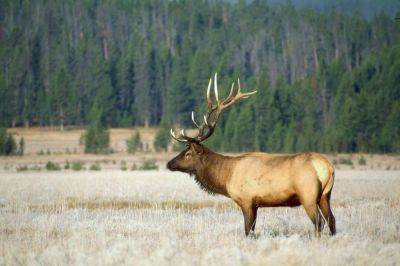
<point x="162" y="138"/>
<point x="96" y="137"/>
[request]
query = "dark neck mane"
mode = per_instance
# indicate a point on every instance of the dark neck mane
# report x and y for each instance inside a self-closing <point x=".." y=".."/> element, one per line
<point x="213" y="172"/>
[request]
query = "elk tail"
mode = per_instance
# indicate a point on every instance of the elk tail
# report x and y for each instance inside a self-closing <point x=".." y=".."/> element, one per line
<point x="331" y="180"/>
<point x="325" y="172"/>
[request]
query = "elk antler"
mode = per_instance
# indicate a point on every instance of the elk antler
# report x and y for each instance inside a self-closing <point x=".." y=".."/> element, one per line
<point x="206" y="129"/>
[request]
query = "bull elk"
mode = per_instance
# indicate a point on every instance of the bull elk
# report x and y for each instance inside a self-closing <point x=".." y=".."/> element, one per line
<point x="256" y="179"/>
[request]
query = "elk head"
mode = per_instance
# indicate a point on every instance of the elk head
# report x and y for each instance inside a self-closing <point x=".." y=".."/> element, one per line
<point x="192" y="157"/>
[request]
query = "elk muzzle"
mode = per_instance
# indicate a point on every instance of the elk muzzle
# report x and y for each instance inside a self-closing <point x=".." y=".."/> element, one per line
<point x="171" y="165"/>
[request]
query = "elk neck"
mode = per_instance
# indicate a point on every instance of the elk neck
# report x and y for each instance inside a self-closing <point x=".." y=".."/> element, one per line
<point x="213" y="172"/>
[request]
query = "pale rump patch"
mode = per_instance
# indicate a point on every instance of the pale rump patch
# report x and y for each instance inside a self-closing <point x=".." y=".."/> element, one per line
<point x="322" y="171"/>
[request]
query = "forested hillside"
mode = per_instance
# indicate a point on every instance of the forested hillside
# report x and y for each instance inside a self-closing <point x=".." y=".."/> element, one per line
<point x="366" y="8"/>
<point x="326" y="81"/>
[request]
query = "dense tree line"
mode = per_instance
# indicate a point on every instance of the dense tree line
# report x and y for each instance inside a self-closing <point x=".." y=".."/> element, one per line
<point x="326" y="81"/>
<point x="334" y="110"/>
<point x="366" y="8"/>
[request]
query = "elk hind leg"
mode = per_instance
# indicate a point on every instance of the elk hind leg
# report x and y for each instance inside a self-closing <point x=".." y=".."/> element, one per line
<point x="325" y="206"/>
<point x="315" y="217"/>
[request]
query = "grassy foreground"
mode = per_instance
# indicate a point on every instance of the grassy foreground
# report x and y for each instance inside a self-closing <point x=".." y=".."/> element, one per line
<point x="157" y="218"/>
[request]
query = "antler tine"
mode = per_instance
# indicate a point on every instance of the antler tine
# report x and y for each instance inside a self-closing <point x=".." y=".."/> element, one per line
<point x="231" y="92"/>
<point x="176" y="138"/>
<point x="210" y="108"/>
<point x="205" y="120"/>
<point x="209" y="101"/>
<point x="247" y="94"/>
<point x="239" y="95"/>
<point x="183" y="133"/>
<point x="216" y="88"/>
<point x="194" y="121"/>
<point x="230" y="96"/>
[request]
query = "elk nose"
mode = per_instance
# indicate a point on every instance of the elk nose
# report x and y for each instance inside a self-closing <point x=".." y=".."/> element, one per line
<point x="169" y="165"/>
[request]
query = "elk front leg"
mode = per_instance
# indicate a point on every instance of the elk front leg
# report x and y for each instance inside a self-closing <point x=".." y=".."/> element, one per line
<point x="250" y="216"/>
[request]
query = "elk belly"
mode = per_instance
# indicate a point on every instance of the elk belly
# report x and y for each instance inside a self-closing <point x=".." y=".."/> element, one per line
<point x="277" y="194"/>
<point x="263" y="190"/>
<point x="287" y="200"/>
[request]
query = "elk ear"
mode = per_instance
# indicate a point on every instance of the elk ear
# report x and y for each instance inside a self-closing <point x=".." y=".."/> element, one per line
<point x="197" y="148"/>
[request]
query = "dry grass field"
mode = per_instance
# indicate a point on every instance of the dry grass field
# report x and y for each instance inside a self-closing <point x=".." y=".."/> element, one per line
<point x="118" y="216"/>
<point x="55" y="141"/>
<point x="162" y="218"/>
<point x="51" y="144"/>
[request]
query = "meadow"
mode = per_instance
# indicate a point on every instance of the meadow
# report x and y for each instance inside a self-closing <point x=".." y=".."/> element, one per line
<point x="53" y="212"/>
<point x="118" y="217"/>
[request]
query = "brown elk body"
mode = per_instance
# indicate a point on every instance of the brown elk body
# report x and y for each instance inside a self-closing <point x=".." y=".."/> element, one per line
<point x="257" y="179"/>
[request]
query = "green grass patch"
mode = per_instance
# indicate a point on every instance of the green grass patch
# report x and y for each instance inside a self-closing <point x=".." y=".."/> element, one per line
<point x="22" y="168"/>
<point x="95" y="167"/>
<point x="123" y="166"/>
<point x="52" y="166"/>
<point x="77" y="166"/>
<point x="149" y="165"/>
<point x="345" y="161"/>
<point x="362" y="161"/>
